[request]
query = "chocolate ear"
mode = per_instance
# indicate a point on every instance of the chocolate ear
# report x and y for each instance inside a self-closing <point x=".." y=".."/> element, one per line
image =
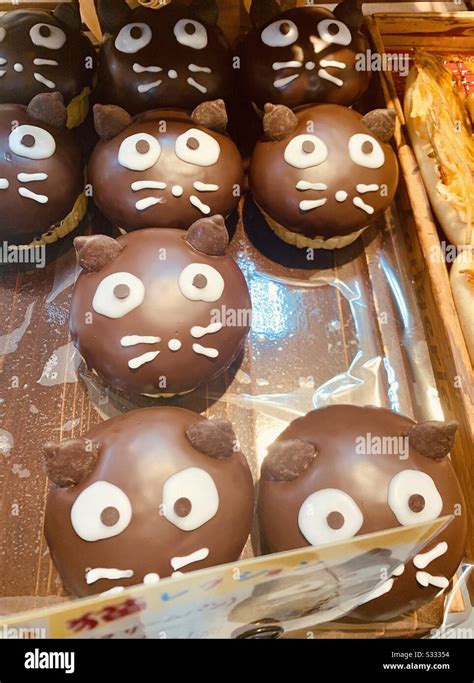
<point x="263" y="11"/>
<point x="287" y="460"/>
<point x="69" y="14"/>
<point x="433" y="439"/>
<point x="350" y="13"/>
<point x="48" y="108"/>
<point x="209" y="236"/>
<point x="113" y="14"/>
<point x="94" y="252"/>
<point x="69" y="462"/>
<point x="381" y="122"/>
<point x="212" y="115"/>
<point x="206" y="10"/>
<point x="278" y="122"/>
<point x="215" y="438"/>
<point x="110" y="120"/>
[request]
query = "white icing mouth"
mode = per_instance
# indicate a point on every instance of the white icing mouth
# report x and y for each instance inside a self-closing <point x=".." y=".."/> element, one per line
<point x="180" y="562"/>
<point x="93" y="575"/>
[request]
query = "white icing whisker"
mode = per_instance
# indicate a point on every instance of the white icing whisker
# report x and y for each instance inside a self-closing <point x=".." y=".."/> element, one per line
<point x="309" y="205"/>
<point x="2" y="72"/>
<point x="205" y="351"/>
<point x="116" y="590"/>
<point x="282" y="82"/>
<point x="204" y="208"/>
<point x="367" y="188"/>
<point x="304" y="185"/>
<point x="146" y="203"/>
<point x="197" y="69"/>
<point x="45" y="62"/>
<point x="146" y="87"/>
<point x="3" y="61"/>
<point x="137" y="362"/>
<point x="205" y="187"/>
<point x="180" y="562"/>
<point x="287" y="65"/>
<point x="424" y="559"/>
<point x="148" y="185"/>
<point x="45" y="81"/>
<point x="362" y="205"/>
<point x="40" y="198"/>
<point x="93" y="575"/>
<point x="196" y="85"/>
<point x="135" y="339"/>
<point x="327" y="77"/>
<point x="425" y="580"/>
<point x="139" y="69"/>
<point x="31" y="177"/>
<point x="197" y="332"/>
<point x="325" y="63"/>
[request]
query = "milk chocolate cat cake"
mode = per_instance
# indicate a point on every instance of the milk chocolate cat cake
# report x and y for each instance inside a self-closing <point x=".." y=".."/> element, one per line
<point x="304" y="55"/>
<point x="43" y="52"/>
<point x="164" y="167"/>
<point x="344" y="471"/>
<point x="153" y="492"/>
<point x="159" y="311"/>
<point x="172" y="55"/>
<point x="323" y="174"/>
<point x="41" y="172"/>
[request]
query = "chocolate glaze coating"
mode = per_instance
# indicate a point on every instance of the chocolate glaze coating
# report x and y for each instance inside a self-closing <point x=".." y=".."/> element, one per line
<point x="333" y="432"/>
<point x="273" y="180"/>
<point x="158" y="257"/>
<point x="118" y="83"/>
<point x="23" y="219"/>
<point x="112" y="182"/>
<point x="258" y="76"/>
<point x="138" y="452"/>
<point x="70" y="76"/>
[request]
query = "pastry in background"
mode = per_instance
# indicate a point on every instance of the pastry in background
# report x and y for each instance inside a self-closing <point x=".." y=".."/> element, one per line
<point x="165" y="168"/>
<point x="171" y="55"/>
<point x="42" y="183"/>
<point x="44" y="52"/>
<point x="304" y="55"/>
<point x="462" y="284"/>
<point x="160" y="311"/>
<point x="440" y="127"/>
<point x="153" y="492"/>
<point x="345" y="471"/>
<point x="322" y="174"/>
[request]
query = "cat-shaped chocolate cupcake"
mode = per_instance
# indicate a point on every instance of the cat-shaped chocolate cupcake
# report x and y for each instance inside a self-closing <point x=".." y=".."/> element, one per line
<point x="304" y="55"/>
<point x="169" y="56"/>
<point x="43" y="52"/>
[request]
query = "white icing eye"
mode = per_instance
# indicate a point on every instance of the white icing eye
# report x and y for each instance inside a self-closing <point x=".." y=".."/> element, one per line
<point x="139" y="152"/>
<point x="45" y="35"/>
<point x="305" y="151"/>
<point x="198" y="148"/>
<point x="102" y="510"/>
<point x="365" y="150"/>
<point x="31" y="142"/>
<point x="133" y="38"/>
<point x="413" y="497"/>
<point x="191" y="33"/>
<point x="280" y="34"/>
<point x="332" y="31"/>
<point x="190" y="498"/>
<point x="118" y="294"/>
<point x="328" y="516"/>
<point x="200" y="282"/>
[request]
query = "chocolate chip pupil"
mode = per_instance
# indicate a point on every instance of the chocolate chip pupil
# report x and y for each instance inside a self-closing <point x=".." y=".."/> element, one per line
<point x="333" y="29"/>
<point x="136" y="33"/>
<point x="109" y="516"/>
<point x="200" y="281"/>
<point x="142" y="147"/>
<point x="192" y="143"/>
<point x="416" y="503"/>
<point x="28" y="141"/>
<point x="45" y="31"/>
<point x="308" y="147"/>
<point x="182" y="507"/>
<point x="121" y="291"/>
<point x="190" y="29"/>
<point x="285" y="29"/>
<point x="367" y="147"/>
<point x="335" y="520"/>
